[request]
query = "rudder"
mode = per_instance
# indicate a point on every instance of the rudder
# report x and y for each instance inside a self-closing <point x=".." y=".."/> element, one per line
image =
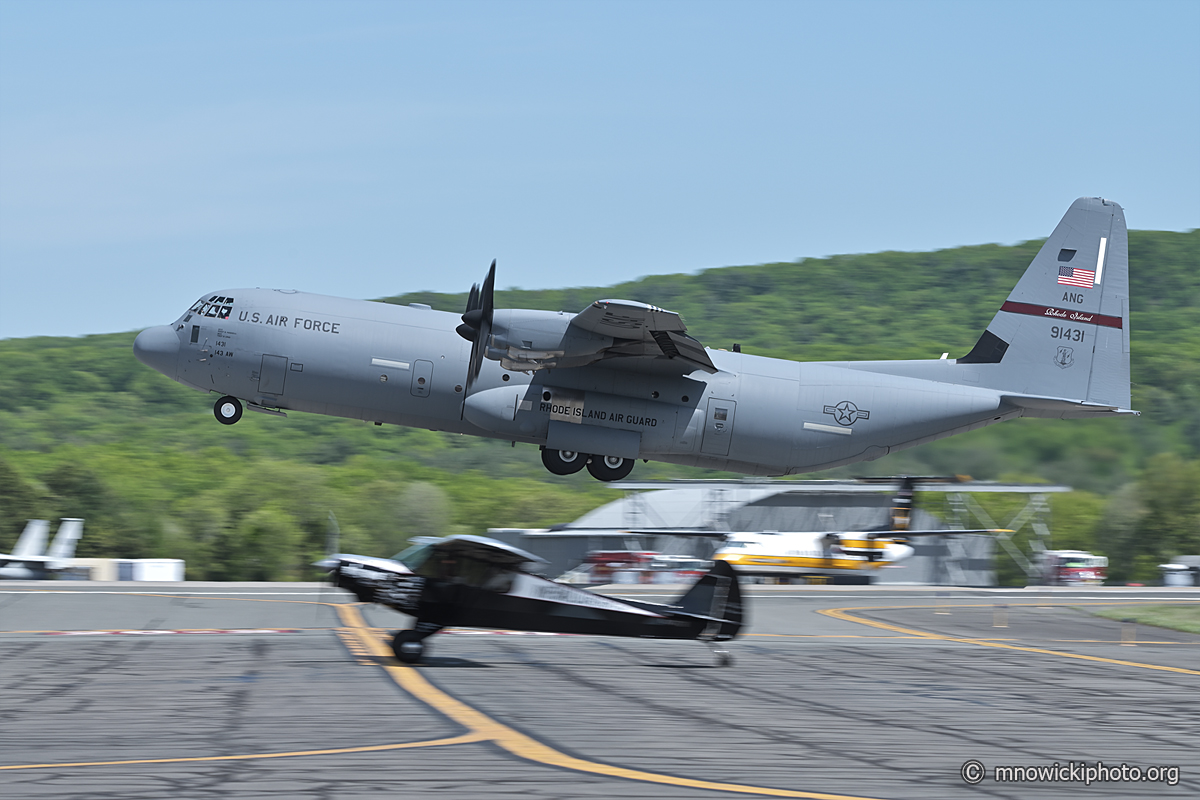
<point x="1063" y="332"/>
<point x="719" y="595"/>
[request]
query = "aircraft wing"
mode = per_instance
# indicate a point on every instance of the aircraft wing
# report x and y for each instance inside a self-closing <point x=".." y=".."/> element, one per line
<point x="644" y="332"/>
<point x="894" y="534"/>
<point x="480" y="548"/>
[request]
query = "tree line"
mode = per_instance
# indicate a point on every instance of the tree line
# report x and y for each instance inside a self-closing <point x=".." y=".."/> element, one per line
<point x="85" y="430"/>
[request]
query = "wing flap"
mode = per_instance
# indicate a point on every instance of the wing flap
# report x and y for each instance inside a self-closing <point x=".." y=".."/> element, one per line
<point x="642" y="331"/>
<point x="626" y="319"/>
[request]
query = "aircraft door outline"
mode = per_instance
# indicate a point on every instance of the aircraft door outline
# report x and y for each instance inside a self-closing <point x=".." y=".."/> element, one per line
<point x="273" y="374"/>
<point x="422" y="378"/>
<point x="718" y="427"/>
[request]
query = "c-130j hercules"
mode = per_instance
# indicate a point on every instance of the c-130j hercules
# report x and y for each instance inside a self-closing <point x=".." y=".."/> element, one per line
<point x="623" y="380"/>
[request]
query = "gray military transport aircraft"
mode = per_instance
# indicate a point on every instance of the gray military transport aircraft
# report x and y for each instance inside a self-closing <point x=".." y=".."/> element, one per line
<point x="623" y="380"/>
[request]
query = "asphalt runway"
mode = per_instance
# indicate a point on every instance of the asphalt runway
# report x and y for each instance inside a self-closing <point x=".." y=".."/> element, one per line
<point x="288" y="690"/>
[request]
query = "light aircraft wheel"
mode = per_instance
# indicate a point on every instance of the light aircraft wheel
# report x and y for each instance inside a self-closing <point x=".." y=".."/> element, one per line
<point x="563" y="462"/>
<point x="228" y="410"/>
<point x="724" y="660"/>
<point x="408" y="647"/>
<point x="609" y="468"/>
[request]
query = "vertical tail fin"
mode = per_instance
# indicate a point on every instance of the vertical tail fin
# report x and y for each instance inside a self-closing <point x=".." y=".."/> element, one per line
<point x="1064" y="330"/>
<point x="32" y="541"/>
<point x="718" y="595"/>
<point x="69" y="531"/>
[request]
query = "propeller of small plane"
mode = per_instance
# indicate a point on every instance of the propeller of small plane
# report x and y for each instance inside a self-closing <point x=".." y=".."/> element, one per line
<point x="476" y="325"/>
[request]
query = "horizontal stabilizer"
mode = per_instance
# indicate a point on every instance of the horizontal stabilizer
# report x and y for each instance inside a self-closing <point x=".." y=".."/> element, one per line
<point x="1057" y="407"/>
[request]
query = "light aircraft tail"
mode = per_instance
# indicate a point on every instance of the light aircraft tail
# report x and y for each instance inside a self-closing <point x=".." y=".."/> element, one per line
<point x="32" y="541"/>
<point x="719" y="596"/>
<point x="1059" y="346"/>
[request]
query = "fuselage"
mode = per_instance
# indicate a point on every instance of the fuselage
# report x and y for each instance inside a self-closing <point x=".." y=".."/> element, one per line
<point x="809" y="553"/>
<point x="406" y="365"/>
<point x="21" y="573"/>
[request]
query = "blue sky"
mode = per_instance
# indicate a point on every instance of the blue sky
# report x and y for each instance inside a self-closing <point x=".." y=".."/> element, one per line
<point x="152" y="152"/>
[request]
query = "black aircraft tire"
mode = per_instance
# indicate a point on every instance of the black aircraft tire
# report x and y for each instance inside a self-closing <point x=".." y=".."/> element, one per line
<point x="563" y="462"/>
<point x="609" y="468"/>
<point x="228" y="410"/>
<point x="408" y="647"/>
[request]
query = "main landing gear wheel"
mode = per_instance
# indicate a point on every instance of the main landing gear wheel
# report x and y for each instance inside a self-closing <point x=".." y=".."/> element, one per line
<point x="609" y="468"/>
<point x="408" y="646"/>
<point x="228" y="410"/>
<point x="563" y="462"/>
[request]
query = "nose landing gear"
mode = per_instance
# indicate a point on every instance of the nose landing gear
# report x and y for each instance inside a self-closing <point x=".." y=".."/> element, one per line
<point x="228" y="410"/>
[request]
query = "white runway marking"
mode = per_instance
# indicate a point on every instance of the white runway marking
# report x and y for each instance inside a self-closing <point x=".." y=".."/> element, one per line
<point x="161" y="633"/>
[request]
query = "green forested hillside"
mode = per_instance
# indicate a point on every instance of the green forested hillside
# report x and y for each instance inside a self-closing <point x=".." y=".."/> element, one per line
<point x="86" y="430"/>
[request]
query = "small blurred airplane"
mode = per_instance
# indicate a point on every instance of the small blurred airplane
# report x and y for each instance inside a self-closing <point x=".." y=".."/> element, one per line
<point x="476" y="582"/>
<point x="846" y="556"/>
<point x="29" y="560"/>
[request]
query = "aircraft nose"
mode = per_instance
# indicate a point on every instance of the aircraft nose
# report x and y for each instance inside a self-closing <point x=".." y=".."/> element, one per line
<point x="158" y="348"/>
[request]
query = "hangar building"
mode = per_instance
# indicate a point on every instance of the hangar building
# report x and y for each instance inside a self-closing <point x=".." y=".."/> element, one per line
<point x="673" y="517"/>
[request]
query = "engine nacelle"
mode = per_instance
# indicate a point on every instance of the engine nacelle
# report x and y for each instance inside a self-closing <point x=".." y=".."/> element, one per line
<point x="526" y="341"/>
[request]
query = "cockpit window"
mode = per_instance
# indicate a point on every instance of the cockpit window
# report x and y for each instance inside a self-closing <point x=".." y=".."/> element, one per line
<point x="217" y="307"/>
<point x="424" y="560"/>
<point x="414" y="556"/>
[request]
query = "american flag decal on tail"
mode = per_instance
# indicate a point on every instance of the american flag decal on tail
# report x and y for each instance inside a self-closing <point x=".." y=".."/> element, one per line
<point x="1073" y="276"/>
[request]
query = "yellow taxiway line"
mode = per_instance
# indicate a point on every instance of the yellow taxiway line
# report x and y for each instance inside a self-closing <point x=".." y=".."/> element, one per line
<point x="845" y="615"/>
<point x="364" y="641"/>
<point x="526" y="747"/>
<point x="373" y="748"/>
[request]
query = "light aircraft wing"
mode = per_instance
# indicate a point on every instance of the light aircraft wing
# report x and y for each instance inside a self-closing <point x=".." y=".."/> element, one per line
<point x="643" y="331"/>
<point x="480" y="548"/>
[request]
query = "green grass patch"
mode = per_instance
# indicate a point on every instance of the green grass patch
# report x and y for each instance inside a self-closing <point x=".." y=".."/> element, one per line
<point x="1177" y="618"/>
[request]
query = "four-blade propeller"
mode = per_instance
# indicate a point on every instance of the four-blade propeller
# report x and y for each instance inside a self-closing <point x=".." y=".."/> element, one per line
<point x="476" y="325"/>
